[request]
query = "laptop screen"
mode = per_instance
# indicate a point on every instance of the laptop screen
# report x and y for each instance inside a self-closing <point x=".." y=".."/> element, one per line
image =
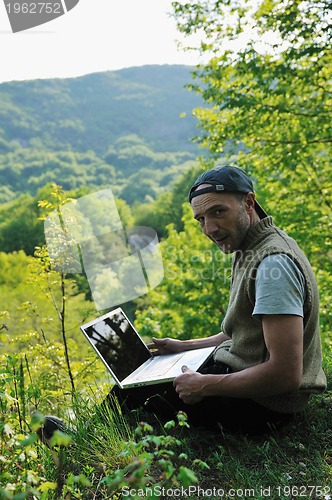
<point x="114" y="337"/>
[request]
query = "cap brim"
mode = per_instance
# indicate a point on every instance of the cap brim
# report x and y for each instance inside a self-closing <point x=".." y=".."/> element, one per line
<point x="261" y="213"/>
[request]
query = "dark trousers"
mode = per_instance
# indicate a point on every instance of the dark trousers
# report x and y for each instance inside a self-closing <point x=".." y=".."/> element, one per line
<point x="231" y="414"/>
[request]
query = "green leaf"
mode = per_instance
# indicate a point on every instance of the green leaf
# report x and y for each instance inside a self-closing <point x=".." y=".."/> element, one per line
<point x="60" y="439"/>
<point x="47" y="486"/>
<point x="187" y="477"/>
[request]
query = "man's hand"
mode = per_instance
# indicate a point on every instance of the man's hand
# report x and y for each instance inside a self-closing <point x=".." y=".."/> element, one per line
<point x="166" y="346"/>
<point x="189" y="386"/>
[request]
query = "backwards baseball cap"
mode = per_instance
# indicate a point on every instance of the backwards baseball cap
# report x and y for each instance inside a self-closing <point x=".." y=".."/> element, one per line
<point x="225" y="179"/>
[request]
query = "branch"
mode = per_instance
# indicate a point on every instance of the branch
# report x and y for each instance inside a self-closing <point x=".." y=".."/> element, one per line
<point x="315" y="141"/>
<point x="64" y="336"/>
<point x="295" y="113"/>
<point x="313" y="172"/>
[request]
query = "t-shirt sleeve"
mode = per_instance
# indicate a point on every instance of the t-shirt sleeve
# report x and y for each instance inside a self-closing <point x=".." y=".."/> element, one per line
<point x="279" y="288"/>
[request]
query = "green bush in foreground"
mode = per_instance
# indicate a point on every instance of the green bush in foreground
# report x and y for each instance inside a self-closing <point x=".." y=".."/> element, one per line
<point x="107" y="456"/>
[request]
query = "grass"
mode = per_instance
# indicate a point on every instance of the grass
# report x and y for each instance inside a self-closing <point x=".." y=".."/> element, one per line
<point x="299" y="456"/>
<point x="108" y="459"/>
<point x="296" y="462"/>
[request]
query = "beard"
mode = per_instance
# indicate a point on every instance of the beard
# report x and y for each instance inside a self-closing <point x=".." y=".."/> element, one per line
<point x="237" y="235"/>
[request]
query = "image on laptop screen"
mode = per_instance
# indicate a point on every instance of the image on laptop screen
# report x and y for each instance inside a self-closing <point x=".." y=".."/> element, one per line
<point x="118" y="344"/>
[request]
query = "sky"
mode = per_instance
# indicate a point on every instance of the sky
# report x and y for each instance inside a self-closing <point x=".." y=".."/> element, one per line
<point x="96" y="35"/>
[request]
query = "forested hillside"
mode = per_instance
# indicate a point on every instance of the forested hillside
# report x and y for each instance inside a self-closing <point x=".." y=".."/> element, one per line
<point x="93" y="111"/>
<point x="269" y="107"/>
<point x="97" y="130"/>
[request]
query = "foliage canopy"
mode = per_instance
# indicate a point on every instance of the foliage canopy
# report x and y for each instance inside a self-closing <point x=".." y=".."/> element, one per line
<point x="268" y="88"/>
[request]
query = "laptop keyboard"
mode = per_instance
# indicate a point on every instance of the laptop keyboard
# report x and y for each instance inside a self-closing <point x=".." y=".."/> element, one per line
<point x="164" y="365"/>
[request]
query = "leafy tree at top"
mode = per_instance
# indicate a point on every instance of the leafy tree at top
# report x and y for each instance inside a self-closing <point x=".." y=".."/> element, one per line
<point x="268" y="88"/>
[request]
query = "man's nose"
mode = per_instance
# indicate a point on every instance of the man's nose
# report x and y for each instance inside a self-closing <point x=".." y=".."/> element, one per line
<point x="210" y="227"/>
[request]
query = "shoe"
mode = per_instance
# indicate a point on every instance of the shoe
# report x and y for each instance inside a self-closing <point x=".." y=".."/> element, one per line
<point x="50" y="425"/>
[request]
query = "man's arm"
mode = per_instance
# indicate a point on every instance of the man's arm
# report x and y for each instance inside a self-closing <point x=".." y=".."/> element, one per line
<point x="281" y="374"/>
<point x="168" y="345"/>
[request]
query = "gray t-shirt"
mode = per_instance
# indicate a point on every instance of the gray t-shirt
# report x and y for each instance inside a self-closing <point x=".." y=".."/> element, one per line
<point x="280" y="287"/>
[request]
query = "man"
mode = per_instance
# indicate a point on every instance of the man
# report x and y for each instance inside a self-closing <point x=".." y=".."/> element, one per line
<point x="268" y="358"/>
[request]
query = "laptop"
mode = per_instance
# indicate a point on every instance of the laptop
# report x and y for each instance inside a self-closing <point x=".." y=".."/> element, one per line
<point x="127" y="357"/>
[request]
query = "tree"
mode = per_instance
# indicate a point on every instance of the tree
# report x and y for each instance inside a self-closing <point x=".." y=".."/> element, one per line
<point x="31" y="331"/>
<point x="167" y="208"/>
<point x="192" y="299"/>
<point x="19" y="226"/>
<point x="267" y="89"/>
<point x="267" y="86"/>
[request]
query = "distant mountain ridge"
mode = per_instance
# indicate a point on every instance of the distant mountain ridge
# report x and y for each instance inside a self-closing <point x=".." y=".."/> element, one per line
<point x="131" y="129"/>
<point x="93" y="111"/>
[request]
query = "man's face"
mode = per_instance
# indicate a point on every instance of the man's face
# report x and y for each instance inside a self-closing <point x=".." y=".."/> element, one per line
<point x="224" y="218"/>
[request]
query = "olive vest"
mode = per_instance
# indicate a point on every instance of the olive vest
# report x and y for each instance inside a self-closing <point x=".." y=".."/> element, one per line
<point x="247" y="347"/>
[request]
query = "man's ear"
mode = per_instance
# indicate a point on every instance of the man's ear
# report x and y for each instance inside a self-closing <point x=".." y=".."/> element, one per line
<point x="250" y="202"/>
